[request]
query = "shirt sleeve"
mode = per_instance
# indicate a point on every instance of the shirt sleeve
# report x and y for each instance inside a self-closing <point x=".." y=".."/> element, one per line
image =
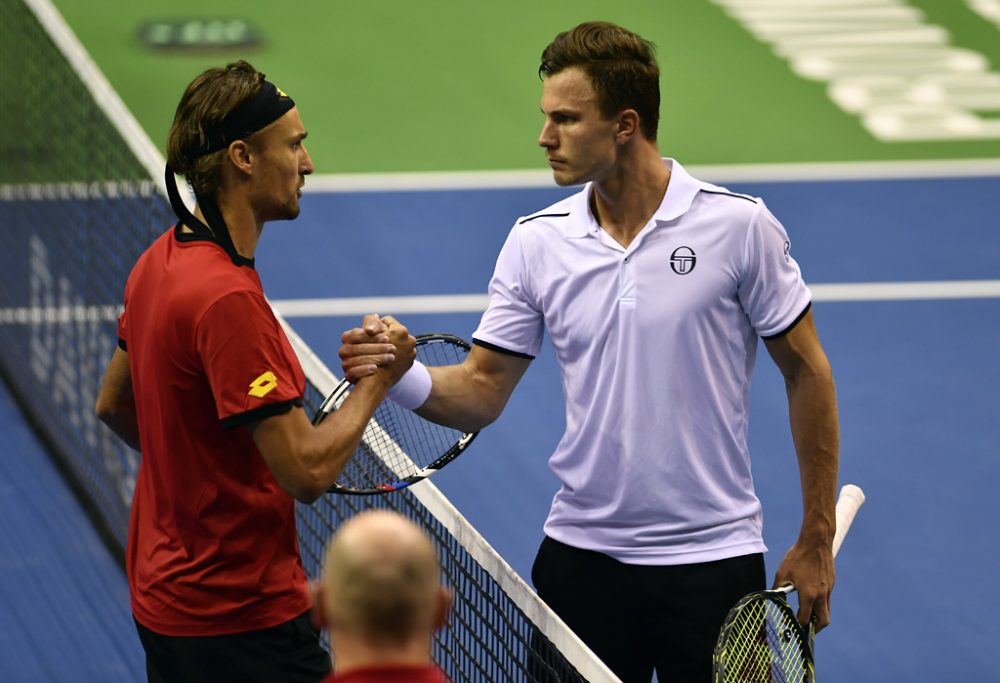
<point x="512" y="322"/>
<point x="250" y="367"/>
<point x="772" y="290"/>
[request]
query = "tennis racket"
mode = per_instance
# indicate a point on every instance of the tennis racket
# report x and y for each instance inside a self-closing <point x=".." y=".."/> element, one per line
<point x="761" y="640"/>
<point x="399" y="447"/>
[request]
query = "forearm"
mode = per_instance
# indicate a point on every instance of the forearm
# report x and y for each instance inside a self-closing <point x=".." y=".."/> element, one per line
<point x="466" y="396"/>
<point x="307" y="460"/>
<point x="812" y="407"/>
<point x="115" y="405"/>
<point x="124" y="424"/>
<point x="463" y="398"/>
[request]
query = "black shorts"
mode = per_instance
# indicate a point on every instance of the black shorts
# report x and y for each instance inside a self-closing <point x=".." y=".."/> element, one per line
<point x="638" y="618"/>
<point x="289" y="652"/>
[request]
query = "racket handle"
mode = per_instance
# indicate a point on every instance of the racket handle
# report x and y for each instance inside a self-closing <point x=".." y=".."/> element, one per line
<point x="850" y="500"/>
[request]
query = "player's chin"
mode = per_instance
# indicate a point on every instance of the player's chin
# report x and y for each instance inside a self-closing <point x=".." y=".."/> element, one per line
<point x="565" y="179"/>
<point x="289" y="211"/>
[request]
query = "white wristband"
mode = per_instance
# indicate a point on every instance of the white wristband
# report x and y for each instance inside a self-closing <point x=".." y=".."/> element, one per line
<point x="413" y="387"/>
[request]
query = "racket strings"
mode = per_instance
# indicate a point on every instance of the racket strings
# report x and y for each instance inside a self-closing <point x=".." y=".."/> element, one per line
<point x="398" y="445"/>
<point x="405" y="442"/>
<point x="764" y="645"/>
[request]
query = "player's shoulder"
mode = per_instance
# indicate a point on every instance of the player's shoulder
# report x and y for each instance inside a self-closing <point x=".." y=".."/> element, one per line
<point x="725" y="195"/>
<point x="557" y="214"/>
<point x="723" y="204"/>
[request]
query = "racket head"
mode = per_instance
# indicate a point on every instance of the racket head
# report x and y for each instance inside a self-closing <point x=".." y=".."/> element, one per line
<point x="398" y="447"/>
<point x="762" y="641"/>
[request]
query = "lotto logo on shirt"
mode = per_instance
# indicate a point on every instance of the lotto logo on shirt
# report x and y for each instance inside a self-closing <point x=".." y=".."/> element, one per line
<point x="263" y="385"/>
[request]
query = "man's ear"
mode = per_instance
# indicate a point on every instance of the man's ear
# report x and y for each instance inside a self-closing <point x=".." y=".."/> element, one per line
<point x="442" y="608"/>
<point x="240" y="157"/>
<point x="628" y="125"/>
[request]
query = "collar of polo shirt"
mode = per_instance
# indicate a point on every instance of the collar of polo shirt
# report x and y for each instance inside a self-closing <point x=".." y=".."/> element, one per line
<point x="680" y="193"/>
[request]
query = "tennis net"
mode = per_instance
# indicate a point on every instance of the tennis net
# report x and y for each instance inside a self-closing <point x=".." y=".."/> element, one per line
<point x="79" y="201"/>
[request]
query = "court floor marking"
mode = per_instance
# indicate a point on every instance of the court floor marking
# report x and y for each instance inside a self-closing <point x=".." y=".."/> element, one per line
<point x="476" y="303"/>
<point x="734" y="173"/>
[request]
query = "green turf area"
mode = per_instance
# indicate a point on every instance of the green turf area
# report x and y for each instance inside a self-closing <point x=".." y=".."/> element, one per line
<point x="49" y="123"/>
<point x="439" y="85"/>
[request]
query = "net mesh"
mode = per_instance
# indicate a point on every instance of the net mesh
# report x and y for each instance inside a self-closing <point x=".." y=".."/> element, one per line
<point x="77" y="207"/>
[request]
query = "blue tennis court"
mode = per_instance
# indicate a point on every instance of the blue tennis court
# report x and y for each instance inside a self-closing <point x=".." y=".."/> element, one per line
<point x="918" y="389"/>
<point x="65" y="612"/>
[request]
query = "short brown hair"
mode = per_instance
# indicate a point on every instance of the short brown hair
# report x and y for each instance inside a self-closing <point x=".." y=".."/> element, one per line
<point x="207" y="101"/>
<point x="621" y="66"/>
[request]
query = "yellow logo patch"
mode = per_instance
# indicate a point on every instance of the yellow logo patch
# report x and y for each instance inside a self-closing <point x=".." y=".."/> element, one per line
<point x="263" y="385"/>
<point x="280" y="91"/>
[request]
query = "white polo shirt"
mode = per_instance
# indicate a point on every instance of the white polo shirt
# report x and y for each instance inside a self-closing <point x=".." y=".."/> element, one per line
<point x="657" y="344"/>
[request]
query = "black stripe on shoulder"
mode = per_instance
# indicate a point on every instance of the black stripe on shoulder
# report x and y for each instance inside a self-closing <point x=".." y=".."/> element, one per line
<point x="731" y="194"/>
<point x="121" y="345"/>
<point x="542" y="215"/>
<point x="791" y="327"/>
<point x="500" y="349"/>
<point x="256" y="414"/>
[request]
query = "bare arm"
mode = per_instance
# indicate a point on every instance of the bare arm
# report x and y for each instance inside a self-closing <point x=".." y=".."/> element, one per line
<point x="812" y="409"/>
<point x="115" y="405"/>
<point x="471" y="395"/>
<point x="307" y="459"/>
<point x="467" y="396"/>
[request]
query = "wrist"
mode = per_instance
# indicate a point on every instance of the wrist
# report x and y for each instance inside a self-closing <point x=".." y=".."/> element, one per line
<point x="413" y="387"/>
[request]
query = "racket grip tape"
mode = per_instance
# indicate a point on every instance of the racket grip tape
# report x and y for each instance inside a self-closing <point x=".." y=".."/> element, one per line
<point x="848" y="503"/>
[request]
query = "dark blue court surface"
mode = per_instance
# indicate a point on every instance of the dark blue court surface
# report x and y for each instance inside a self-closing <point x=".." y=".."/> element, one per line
<point x="64" y="606"/>
<point x="918" y="383"/>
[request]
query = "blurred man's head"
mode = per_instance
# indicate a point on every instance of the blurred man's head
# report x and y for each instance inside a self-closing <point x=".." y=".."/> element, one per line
<point x="380" y="595"/>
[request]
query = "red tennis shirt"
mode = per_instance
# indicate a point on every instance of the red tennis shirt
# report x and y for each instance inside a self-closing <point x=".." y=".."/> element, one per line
<point x="390" y="673"/>
<point x="212" y="547"/>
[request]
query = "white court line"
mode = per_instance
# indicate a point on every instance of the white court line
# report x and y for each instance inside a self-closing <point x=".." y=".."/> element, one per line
<point x="907" y="291"/>
<point x="476" y="303"/>
<point x="312" y="308"/>
<point x="461" y="180"/>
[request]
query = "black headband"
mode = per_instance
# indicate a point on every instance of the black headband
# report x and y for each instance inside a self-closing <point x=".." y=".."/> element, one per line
<point x="259" y="111"/>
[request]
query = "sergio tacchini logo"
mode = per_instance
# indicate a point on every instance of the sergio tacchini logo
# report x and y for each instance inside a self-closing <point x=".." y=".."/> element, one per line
<point x="682" y="260"/>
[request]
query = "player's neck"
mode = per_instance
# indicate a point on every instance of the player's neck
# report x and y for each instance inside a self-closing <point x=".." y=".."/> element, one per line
<point x="243" y="227"/>
<point x="625" y="200"/>
<point x="353" y="653"/>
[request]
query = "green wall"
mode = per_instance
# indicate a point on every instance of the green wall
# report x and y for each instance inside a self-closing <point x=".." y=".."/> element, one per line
<point x="437" y="85"/>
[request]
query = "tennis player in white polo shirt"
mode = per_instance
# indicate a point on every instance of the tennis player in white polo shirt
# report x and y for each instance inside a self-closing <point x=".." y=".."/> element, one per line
<point x="654" y="288"/>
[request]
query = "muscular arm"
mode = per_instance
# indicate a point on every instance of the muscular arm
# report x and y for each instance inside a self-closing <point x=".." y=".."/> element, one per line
<point x="307" y="459"/>
<point x="471" y="395"/>
<point x="812" y="409"/>
<point x="115" y="405"/>
<point x="467" y="396"/>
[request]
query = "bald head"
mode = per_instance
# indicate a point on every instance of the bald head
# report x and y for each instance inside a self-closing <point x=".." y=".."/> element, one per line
<point x="380" y="580"/>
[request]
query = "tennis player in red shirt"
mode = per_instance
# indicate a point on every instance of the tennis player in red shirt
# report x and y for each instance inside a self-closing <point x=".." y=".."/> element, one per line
<point x="205" y="384"/>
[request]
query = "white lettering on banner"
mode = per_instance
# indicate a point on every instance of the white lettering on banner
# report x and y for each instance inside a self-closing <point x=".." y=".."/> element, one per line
<point x="883" y="63"/>
<point x="68" y="352"/>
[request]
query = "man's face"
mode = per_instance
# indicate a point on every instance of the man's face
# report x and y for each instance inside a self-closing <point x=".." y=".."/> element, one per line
<point x="579" y="143"/>
<point x="281" y="165"/>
